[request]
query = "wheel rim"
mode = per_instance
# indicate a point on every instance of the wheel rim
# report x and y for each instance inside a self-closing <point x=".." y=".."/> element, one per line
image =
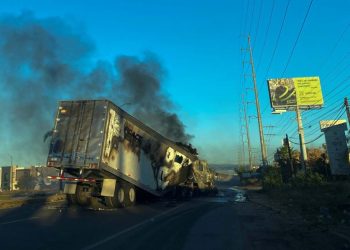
<point x="132" y="195"/>
<point x="121" y="195"/>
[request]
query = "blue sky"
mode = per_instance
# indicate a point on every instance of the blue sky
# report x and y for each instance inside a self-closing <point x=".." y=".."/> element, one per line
<point x="199" y="44"/>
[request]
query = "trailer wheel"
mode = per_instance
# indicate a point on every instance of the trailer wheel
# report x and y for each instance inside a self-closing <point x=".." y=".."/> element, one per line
<point x="130" y="195"/>
<point x="83" y="195"/>
<point x="118" y="200"/>
<point x="120" y="196"/>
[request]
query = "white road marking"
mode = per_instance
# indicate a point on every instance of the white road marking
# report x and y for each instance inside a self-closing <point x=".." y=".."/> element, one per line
<point x="111" y="237"/>
<point x="19" y="220"/>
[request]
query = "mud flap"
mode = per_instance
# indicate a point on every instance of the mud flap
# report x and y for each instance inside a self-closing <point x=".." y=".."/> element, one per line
<point x="70" y="188"/>
<point x="108" y="187"/>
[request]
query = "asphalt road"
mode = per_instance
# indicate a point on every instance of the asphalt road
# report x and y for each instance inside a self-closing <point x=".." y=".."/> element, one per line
<point x="221" y="222"/>
<point x="202" y="223"/>
<point x="158" y="225"/>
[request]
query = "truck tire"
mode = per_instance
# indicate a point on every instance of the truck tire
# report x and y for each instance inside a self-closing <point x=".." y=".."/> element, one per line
<point x="83" y="195"/>
<point x="118" y="200"/>
<point x="130" y="194"/>
<point x="121" y="195"/>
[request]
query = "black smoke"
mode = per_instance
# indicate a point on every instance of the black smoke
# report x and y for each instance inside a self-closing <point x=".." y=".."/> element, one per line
<point x="140" y="82"/>
<point x="44" y="60"/>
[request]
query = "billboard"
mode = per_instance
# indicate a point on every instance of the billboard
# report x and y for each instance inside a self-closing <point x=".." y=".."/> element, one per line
<point x="286" y="93"/>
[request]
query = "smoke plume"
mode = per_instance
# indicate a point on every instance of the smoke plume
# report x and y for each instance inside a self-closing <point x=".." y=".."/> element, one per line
<point x="140" y="82"/>
<point x="45" y="60"/>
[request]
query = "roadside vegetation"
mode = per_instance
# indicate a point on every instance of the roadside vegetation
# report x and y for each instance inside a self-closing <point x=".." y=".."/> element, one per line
<point x="314" y="193"/>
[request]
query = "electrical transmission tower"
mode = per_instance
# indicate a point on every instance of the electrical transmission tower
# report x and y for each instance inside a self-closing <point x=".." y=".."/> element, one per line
<point x="257" y="104"/>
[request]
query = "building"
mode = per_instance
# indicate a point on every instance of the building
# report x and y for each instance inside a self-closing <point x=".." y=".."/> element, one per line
<point x="11" y="175"/>
<point x="8" y="178"/>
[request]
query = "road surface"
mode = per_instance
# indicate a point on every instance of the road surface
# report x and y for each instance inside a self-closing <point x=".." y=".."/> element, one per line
<point x="222" y="222"/>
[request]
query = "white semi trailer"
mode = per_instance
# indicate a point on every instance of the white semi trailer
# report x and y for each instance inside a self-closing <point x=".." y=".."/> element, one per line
<point x="107" y="156"/>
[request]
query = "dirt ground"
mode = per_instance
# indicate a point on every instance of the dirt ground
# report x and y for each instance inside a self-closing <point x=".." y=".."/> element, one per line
<point x="17" y="199"/>
<point x="311" y="218"/>
<point x="284" y="226"/>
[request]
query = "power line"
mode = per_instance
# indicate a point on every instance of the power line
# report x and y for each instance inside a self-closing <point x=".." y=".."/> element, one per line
<point x="278" y="38"/>
<point x="337" y="116"/>
<point x="306" y="125"/>
<point x="331" y="97"/>
<point x="258" y="24"/>
<point x="335" y="46"/>
<point x="251" y="19"/>
<point x="246" y="17"/>
<point x="296" y="41"/>
<point x="337" y="65"/>
<point x="323" y="115"/>
<point x="263" y="47"/>
<point x="318" y="137"/>
<point x="322" y="134"/>
<point x="265" y="38"/>
<point x="276" y="44"/>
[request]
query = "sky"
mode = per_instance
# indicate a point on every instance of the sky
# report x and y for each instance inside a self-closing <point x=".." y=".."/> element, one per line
<point x="201" y="46"/>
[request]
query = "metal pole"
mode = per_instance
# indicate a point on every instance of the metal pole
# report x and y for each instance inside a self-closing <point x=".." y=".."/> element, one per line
<point x="257" y="104"/>
<point x="346" y="103"/>
<point x="303" y="153"/>
<point x="243" y="151"/>
<point x="247" y="131"/>
<point x="290" y="156"/>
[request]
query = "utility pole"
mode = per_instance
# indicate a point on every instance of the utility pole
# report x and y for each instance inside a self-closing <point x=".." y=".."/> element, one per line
<point x="257" y="104"/>
<point x="242" y="137"/>
<point x="346" y="104"/>
<point x="290" y="156"/>
<point x="247" y="132"/>
<point x="301" y="139"/>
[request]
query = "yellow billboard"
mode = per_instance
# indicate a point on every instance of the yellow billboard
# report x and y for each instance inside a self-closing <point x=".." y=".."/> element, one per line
<point x="289" y="92"/>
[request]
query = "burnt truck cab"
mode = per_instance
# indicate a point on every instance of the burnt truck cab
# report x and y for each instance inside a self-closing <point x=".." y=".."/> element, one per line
<point x="105" y="154"/>
<point x="204" y="179"/>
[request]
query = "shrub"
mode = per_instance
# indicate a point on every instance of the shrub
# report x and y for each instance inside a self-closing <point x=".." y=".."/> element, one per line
<point x="309" y="180"/>
<point x="272" y="178"/>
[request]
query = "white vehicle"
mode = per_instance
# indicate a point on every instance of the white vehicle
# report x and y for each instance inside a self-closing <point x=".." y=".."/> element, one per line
<point x="107" y="156"/>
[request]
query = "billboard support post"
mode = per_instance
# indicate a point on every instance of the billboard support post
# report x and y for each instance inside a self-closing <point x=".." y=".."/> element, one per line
<point x="303" y="152"/>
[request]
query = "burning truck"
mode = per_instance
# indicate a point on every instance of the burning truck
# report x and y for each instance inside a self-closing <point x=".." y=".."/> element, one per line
<point x="106" y="156"/>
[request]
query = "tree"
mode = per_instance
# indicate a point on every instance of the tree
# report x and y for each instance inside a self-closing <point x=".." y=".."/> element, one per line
<point x="318" y="161"/>
<point x="282" y="158"/>
<point x="314" y="154"/>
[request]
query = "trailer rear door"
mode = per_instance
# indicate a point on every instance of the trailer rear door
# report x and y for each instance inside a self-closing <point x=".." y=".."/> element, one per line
<point x="78" y="133"/>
